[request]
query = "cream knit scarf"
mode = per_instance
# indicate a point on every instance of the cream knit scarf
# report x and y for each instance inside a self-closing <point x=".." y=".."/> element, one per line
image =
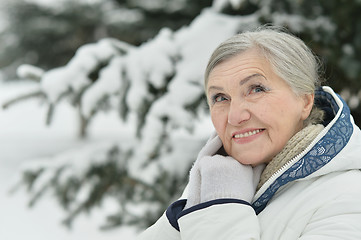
<point x="293" y="147"/>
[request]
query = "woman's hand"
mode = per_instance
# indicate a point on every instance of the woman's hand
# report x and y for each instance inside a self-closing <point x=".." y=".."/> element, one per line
<point x="215" y="176"/>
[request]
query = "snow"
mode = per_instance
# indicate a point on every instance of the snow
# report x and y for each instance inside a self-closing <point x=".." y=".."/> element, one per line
<point x="123" y="15"/>
<point x="354" y="102"/>
<point x="26" y="71"/>
<point x="195" y="44"/>
<point x="163" y="77"/>
<point x="75" y="75"/>
<point x="298" y="23"/>
<point x="24" y="136"/>
<point x="353" y="99"/>
<point x="149" y="64"/>
<point x="221" y="4"/>
<point x="57" y="4"/>
<point x="172" y="61"/>
<point x="110" y="81"/>
<point x="170" y="6"/>
<point x="27" y="142"/>
<point x="348" y="49"/>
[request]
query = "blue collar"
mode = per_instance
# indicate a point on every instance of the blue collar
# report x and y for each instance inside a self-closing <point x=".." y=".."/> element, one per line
<point x="322" y="152"/>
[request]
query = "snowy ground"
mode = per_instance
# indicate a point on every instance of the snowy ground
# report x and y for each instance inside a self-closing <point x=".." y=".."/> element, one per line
<point x="23" y="136"/>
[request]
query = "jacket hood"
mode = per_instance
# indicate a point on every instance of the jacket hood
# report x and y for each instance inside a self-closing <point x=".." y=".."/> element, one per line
<point x="334" y="149"/>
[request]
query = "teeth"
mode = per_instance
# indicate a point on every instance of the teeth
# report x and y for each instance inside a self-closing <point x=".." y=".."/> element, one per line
<point x="247" y="134"/>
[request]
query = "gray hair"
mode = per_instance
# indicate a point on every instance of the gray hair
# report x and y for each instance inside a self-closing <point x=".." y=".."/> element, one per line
<point x="289" y="56"/>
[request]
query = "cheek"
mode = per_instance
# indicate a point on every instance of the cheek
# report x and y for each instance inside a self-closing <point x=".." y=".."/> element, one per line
<point x="219" y="120"/>
<point x="275" y="109"/>
<point x="284" y="120"/>
<point x="263" y="112"/>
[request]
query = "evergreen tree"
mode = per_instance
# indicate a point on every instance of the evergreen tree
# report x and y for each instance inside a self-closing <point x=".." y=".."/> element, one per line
<point x="157" y="87"/>
<point x="36" y="33"/>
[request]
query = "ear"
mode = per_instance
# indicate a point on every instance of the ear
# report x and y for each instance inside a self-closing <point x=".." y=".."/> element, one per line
<point x="308" y="100"/>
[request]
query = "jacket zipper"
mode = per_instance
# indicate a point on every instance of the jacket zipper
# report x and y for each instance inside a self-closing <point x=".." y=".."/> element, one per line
<point x="288" y="164"/>
<point x="308" y="148"/>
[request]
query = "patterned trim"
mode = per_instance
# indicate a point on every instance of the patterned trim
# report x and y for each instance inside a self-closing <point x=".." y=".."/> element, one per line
<point x="320" y="154"/>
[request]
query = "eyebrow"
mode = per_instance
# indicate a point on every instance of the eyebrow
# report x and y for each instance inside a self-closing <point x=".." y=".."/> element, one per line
<point x="242" y="82"/>
<point x="246" y="79"/>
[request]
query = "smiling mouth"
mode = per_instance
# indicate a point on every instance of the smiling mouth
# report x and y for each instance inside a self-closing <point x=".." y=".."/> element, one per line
<point x="248" y="134"/>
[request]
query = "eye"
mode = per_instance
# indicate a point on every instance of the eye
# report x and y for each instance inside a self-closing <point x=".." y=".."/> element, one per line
<point x="257" y="89"/>
<point x="218" y="98"/>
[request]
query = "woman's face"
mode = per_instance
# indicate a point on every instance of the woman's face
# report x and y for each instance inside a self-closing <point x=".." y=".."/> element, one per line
<point x="253" y="110"/>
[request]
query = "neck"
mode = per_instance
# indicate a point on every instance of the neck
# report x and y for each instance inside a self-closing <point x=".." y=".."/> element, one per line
<point x="294" y="146"/>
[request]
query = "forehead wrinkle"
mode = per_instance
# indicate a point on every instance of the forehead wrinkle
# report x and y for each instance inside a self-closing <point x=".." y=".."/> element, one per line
<point x="215" y="88"/>
<point x="248" y="78"/>
<point x="242" y="82"/>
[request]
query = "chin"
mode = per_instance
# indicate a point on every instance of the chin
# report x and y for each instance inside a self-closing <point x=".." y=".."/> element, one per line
<point x="253" y="160"/>
<point x="250" y="161"/>
<point x="246" y="162"/>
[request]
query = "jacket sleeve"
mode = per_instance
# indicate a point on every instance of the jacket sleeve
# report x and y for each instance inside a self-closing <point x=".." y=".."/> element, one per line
<point x="161" y="230"/>
<point x="338" y="219"/>
<point x="166" y="226"/>
<point x="221" y="219"/>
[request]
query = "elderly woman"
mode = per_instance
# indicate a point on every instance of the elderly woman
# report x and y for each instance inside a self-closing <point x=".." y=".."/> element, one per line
<point x="285" y="159"/>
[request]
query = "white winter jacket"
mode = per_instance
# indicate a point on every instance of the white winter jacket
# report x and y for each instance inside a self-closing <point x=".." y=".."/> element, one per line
<point x="316" y="196"/>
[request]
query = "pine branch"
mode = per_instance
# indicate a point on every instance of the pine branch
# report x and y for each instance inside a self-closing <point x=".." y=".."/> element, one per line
<point x="39" y="194"/>
<point x="51" y="108"/>
<point x="84" y="122"/>
<point x="20" y="98"/>
<point x="49" y="114"/>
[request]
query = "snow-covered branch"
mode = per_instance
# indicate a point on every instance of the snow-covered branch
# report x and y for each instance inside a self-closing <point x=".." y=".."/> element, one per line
<point x="157" y="88"/>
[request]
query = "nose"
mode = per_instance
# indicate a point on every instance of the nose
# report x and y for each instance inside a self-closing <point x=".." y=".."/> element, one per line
<point x="238" y="113"/>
